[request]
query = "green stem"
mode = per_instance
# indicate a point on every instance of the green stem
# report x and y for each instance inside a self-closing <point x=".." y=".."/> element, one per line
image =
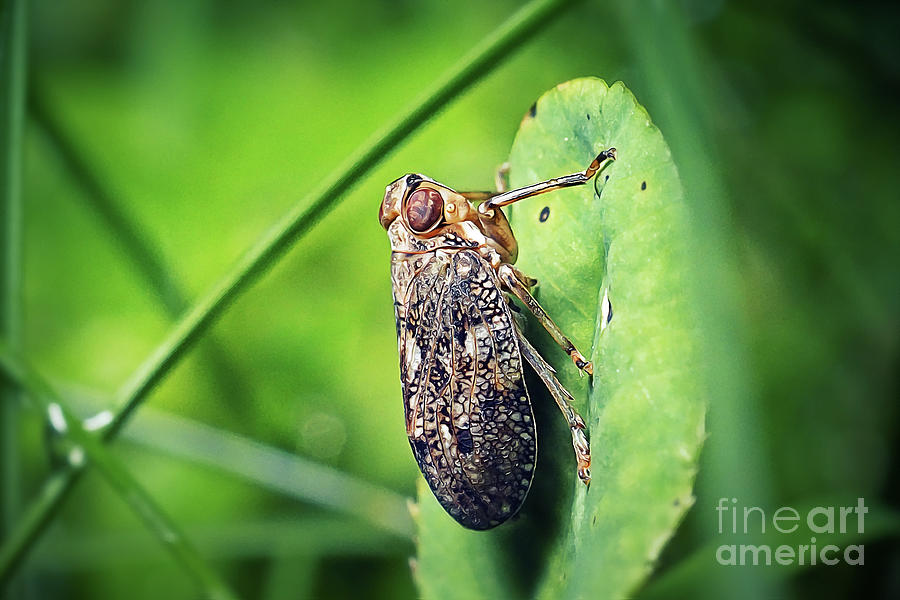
<point x="88" y="447"/>
<point x="34" y="520"/>
<point x="274" y="244"/>
<point x="483" y="57"/>
<point x="145" y="257"/>
<point x="292" y="538"/>
<point x="136" y="247"/>
<point x="260" y="464"/>
<point x="13" y="58"/>
<point x="273" y="469"/>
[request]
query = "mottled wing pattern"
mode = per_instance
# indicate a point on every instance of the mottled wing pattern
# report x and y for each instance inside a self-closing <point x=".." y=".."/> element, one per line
<point x="468" y="415"/>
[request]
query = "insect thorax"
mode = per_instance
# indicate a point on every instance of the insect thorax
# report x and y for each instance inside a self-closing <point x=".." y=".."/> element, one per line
<point x="410" y="252"/>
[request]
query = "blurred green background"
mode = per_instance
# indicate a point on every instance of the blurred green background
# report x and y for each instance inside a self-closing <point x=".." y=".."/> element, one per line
<point x="206" y="121"/>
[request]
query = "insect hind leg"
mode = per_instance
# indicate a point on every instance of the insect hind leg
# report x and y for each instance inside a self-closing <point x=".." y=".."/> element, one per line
<point x="518" y="283"/>
<point x="563" y="399"/>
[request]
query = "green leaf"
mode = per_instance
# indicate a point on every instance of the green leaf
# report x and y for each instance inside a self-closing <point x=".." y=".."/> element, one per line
<point x="623" y="236"/>
<point x="455" y="562"/>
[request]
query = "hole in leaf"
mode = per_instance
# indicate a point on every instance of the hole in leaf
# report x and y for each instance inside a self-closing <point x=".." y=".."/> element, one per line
<point x="606" y="311"/>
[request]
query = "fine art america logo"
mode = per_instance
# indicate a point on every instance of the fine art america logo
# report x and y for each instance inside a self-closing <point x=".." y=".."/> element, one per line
<point x="753" y="520"/>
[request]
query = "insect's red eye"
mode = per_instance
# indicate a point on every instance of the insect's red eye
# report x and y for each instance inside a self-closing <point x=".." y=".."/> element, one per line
<point x="424" y="209"/>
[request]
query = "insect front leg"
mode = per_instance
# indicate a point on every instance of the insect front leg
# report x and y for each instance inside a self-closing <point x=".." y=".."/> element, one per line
<point x="557" y="183"/>
<point x="518" y="283"/>
<point x="527" y="281"/>
<point x="563" y="400"/>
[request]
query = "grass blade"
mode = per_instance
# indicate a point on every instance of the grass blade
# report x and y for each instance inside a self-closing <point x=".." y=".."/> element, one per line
<point x="13" y="56"/>
<point x="274" y="469"/>
<point x="89" y="447"/>
<point x="136" y="247"/>
<point x="263" y="465"/>
<point x="305" y="214"/>
<point x="480" y="61"/>
<point x="291" y="537"/>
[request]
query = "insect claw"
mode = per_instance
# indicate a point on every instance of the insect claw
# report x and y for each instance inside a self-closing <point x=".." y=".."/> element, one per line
<point x="584" y="365"/>
<point x="582" y="450"/>
<point x="584" y="467"/>
<point x="584" y="474"/>
<point x="599" y="161"/>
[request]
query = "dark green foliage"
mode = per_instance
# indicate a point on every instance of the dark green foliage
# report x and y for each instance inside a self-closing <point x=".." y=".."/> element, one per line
<point x="207" y="122"/>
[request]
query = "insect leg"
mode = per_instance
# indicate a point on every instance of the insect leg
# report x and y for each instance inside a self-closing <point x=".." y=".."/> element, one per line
<point x="527" y="281"/>
<point x="518" y="283"/>
<point x="550" y="185"/>
<point x="563" y="399"/>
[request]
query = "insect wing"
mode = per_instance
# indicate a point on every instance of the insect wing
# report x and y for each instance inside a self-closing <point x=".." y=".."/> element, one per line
<point x="468" y="414"/>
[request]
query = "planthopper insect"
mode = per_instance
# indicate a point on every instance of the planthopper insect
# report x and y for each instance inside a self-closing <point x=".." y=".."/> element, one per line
<point x="468" y="414"/>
